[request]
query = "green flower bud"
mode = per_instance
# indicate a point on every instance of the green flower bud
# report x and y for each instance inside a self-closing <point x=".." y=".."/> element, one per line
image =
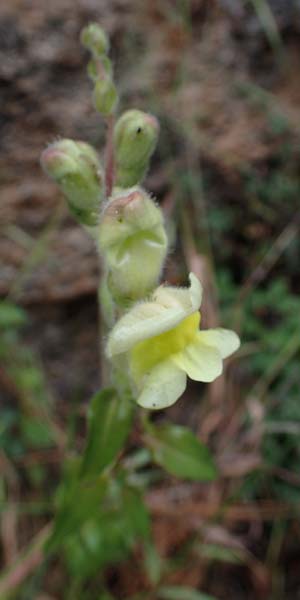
<point x="94" y="38"/>
<point x="93" y="68"/>
<point x="135" y="138"/>
<point x="105" y="96"/>
<point x="133" y="240"/>
<point x="76" y="169"/>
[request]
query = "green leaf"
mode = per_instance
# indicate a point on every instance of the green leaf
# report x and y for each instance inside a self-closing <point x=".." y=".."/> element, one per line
<point x="136" y="513"/>
<point x="98" y="543"/>
<point x="80" y="503"/>
<point x="108" y="536"/>
<point x="182" y="593"/>
<point x="110" y="419"/>
<point x="179" y="452"/>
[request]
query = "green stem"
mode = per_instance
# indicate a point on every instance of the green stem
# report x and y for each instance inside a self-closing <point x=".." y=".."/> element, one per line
<point x="110" y="159"/>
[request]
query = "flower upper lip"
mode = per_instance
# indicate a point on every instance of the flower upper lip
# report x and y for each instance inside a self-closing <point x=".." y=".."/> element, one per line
<point x="167" y="308"/>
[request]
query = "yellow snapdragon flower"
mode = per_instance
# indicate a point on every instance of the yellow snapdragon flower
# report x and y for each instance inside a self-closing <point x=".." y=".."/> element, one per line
<point x="163" y="344"/>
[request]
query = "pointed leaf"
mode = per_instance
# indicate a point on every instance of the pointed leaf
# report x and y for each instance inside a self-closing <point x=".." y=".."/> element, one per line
<point x="110" y="419"/>
<point x="81" y="502"/>
<point x="179" y="452"/>
<point x="136" y="514"/>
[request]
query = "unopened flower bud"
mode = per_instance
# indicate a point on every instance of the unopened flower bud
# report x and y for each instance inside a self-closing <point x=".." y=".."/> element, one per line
<point x="105" y="96"/>
<point x="133" y="240"/>
<point x="135" y="138"/>
<point x="94" y="38"/>
<point x="76" y="169"/>
<point x="93" y="70"/>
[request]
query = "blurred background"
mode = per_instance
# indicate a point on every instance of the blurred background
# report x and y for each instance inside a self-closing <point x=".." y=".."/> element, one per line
<point x="223" y="77"/>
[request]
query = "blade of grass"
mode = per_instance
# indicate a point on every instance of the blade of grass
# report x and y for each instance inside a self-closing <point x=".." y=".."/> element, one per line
<point x="27" y="562"/>
<point x="268" y="22"/>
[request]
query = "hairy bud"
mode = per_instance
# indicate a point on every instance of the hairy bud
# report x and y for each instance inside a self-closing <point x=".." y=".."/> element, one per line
<point x="105" y="96"/>
<point x="133" y="240"/>
<point x="94" y="38"/>
<point x="75" y="167"/>
<point x="93" y="70"/>
<point x="135" y="138"/>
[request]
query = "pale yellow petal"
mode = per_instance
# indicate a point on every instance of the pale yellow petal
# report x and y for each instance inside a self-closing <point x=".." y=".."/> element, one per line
<point x="167" y="308"/>
<point x="199" y="361"/>
<point x="187" y="298"/>
<point x="143" y="321"/>
<point x="162" y="386"/>
<point x="225" y="340"/>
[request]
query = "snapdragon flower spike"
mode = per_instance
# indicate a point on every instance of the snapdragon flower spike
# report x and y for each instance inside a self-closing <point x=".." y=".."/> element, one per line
<point x="163" y="345"/>
<point x="133" y="242"/>
<point x="135" y="138"/>
<point x="75" y="167"/>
